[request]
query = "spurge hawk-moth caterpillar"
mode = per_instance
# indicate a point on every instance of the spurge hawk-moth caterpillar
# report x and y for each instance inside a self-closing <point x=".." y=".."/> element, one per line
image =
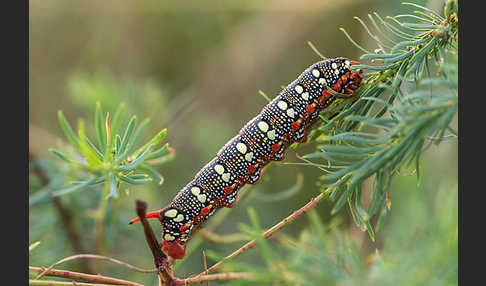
<point x="263" y="139"/>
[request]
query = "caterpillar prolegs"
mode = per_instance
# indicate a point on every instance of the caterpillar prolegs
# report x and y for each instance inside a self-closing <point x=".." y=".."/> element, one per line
<point x="262" y="140"/>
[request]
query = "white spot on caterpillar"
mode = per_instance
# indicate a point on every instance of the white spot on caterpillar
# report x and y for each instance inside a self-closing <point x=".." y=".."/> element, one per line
<point x="305" y="95"/>
<point x="195" y="191"/>
<point x="171" y="213"/>
<point x="241" y="147"/>
<point x="282" y="105"/>
<point x="201" y="198"/>
<point x="334" y="65"/>
<point x="219" y="169"/>
<point x="336" y="72"/>
<point x="299" y="89"/>
<point x="322" y="81"/>
<point x="347" y="63"/>
<point x="168" y="237"/>
<point x="271" y="134"/>
<point x="263" y="125"/>
<point x="316" y="73"/>
<point x="179" y="218"/>
<point x="249" y="156"/>
<point x="290" y="112"/>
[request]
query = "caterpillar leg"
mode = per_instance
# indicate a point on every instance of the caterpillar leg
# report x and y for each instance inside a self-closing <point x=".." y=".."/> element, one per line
<point x="230" y="200"/>
<point x="303" y="139"/>
<point x="299" y="133"/>
<point x="280" y="153"/>
<point x="255" y="175"/>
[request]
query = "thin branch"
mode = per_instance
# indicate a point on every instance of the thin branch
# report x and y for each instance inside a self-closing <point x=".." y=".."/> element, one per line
<point x="62" y="283"/>
<point x="94" y="256"/>
<point x="160" y="259"/>
<point x="100" y="241"/>
<point x="313" y="202"/>
<point x="83" y="276"/>
<point x="205" y="266"/>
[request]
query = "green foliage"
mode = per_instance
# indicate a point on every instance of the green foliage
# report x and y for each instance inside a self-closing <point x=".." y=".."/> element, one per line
<point x="324" y="255"/>
<point x="405" y="104"/>
<point x="139" y="95"/>
<point x="116" y="160"/>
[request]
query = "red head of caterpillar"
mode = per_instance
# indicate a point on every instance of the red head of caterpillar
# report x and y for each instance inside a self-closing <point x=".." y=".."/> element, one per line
<point x="263" y="139"/>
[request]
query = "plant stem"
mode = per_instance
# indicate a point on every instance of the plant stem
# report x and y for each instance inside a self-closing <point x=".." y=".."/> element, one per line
<point x="313" y="202"/>
<point x="160" y="259"/>
<point x="82" y="276"/>
<point x="100" y="220"/>
<point x="94" y="256"/>
<point x="61" y="283"/>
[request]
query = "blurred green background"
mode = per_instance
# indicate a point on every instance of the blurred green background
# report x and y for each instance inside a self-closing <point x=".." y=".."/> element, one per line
<point x="195" y="68"/>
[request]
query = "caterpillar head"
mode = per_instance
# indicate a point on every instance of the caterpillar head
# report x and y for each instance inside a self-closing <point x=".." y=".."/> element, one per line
<point x="173" y="238"/>
<point x="339" y="75"/>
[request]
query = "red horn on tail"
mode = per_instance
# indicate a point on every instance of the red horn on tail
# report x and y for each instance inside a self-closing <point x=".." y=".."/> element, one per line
<point x="154" y="214"/>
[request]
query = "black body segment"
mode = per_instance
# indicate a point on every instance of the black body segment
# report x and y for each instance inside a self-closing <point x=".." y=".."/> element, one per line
<point x="263" y="139"/>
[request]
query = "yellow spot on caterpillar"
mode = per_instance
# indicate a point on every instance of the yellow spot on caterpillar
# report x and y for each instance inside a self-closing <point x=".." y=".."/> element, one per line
<point x="290" y="112"/>
<point x="299" y="89"/>
<point x="168" y="237"/>
<point x="249" y="156"/>
<point x="179" y="218"/>
<point x="171" y="213"/>
<point x="334" y="65"/>
<point x="195" y="191"/>
<point x="305" y="95"/>
<point x="271" y="134"/>
<point x="282" y="105"/>
<point x="316" y="73"/>
<point x="226" y="177"/>
<point x="241" y="147"/>
<point x="263" y="126"/>
<point x="201" y="198"/>
<point x="219" y="169"/>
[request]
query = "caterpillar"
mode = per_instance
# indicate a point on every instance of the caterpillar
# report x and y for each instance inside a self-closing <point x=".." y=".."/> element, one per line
<point x="262" y="140"/>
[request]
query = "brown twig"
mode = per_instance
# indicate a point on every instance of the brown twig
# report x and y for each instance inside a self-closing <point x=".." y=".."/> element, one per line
<point x="83" y="276"/>
<point x="313" y="202"/>
<point x="94" y="256"/>
<point x="205" y="266"/>
<point x="62" y="283"/>
<point x="160" y="259"/>
<point x="218" y="277"/>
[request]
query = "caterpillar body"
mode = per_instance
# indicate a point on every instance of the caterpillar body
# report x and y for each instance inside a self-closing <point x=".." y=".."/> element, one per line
<point x="262" y="140"/>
